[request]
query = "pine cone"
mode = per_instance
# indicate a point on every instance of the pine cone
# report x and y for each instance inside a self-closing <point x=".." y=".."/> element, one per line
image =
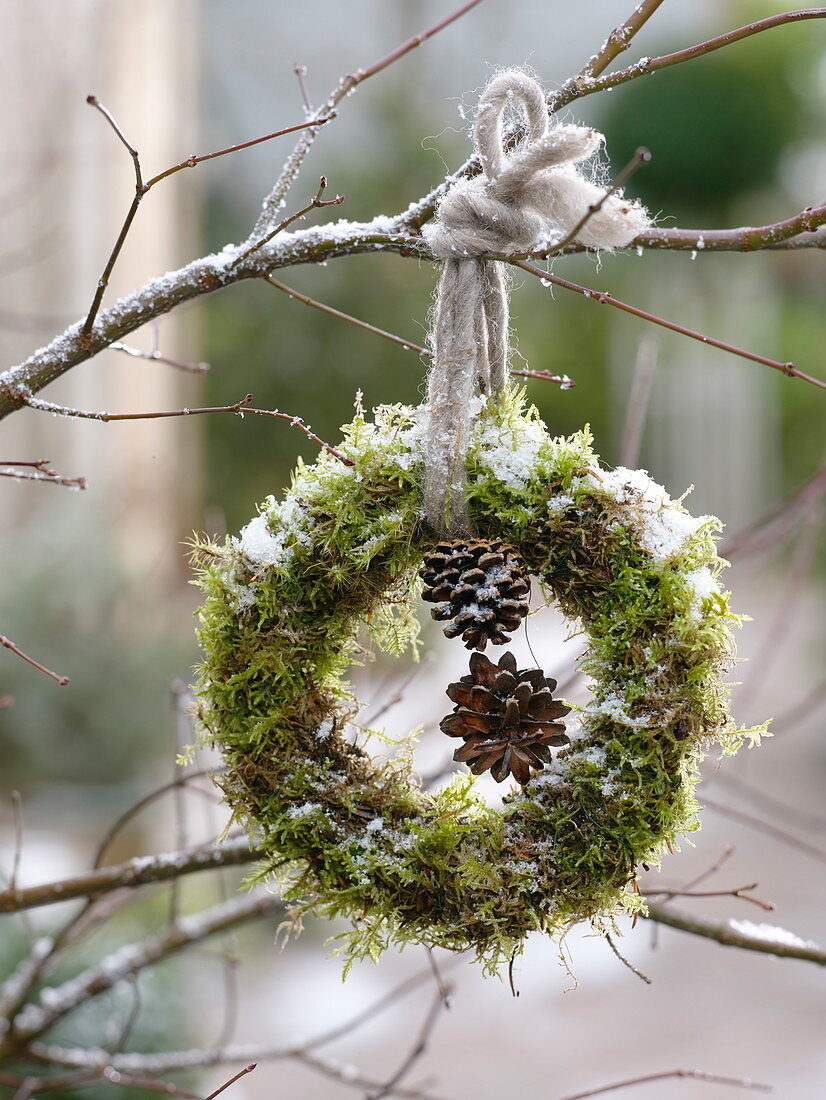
<point x="508" y="718"/>
<point x="481" y="587"/>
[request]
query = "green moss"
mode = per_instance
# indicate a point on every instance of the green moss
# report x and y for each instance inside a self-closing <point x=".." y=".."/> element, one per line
<point x="350" y="835"/>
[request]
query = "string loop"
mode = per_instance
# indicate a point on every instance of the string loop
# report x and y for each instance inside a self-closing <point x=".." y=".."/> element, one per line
<point x="522" y="201"/>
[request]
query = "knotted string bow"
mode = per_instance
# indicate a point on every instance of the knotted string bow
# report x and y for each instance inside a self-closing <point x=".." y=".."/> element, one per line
<point x="522" y="201"/>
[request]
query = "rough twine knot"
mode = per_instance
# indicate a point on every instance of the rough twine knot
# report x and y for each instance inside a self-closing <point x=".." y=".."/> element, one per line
<point x="524" y="201"/>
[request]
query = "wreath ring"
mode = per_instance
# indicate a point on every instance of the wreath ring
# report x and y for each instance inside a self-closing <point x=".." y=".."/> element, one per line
<point x="351" y="835"/>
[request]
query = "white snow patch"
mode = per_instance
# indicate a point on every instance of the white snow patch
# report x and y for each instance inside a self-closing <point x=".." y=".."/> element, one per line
<point x="769" y="933"/>
<point x="703" y="586"/>
<point x="663" y="529"/>
<point x="512" y="455"/>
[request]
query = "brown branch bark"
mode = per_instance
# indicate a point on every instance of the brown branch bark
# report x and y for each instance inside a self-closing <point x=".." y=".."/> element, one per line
<point x="585" y="83"/>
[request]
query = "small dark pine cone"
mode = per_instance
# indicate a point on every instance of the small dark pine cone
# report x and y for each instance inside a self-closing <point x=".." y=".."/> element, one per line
<point x="480" y="585"/>
<point x="508" y="718"/>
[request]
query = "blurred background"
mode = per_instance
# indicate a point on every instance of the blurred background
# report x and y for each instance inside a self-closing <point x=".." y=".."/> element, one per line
<point x="96" y="583"/>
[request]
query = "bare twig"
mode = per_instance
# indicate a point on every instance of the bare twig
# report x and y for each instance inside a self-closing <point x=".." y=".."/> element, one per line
<point x="709" y="872"/>
<point x="241" y="1073"/>
<point x="241" y="407"/>
<point x="141" y="804"/>
<point x="744" y="239"/>
<point x="641" y="156"/>
<point x="625" y="962"/>
<point x="691" y="1074"/>
<point x="7" y="643"/>
<point x="210" y="273"/>
<point x="348" y="84"/>
<point x="618" y="40"/>
<point x="586" y="84"/>
<point x="763" y="826"/>
<point x="738" y="892"/>
<point x="141" y="188"/>
<point x="39" y="470"/>
<point x="764" y="939"/>
<point x="774" y="524"/>
<point x="345" y="316"/>
<point x="416" y="1052"/>
<point x="170" y="1061"/>
<point x="17" y="814"/>
<point x="301" y="75"/>
<point x="317" y="203"/>
<point x="107" y="417"/>
<point x="34" y="1020"/>
<point x="561" y="380"/>
<point x="132" y="873"/>
<point x="156" y="357"/>
<point x="637" y="408"/>
<point x="604" y="298"/>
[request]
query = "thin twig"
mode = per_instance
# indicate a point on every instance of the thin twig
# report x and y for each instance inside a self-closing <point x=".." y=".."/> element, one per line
<point x="641" y="156"/>
<point x="741" y="934"/>
<point x="132" y="873"/>
<point x="301" y="75"/>
<point x="141" y="189"/>
<point x="317" y="203"/>
<point x="625" y="962"/>
<point x="763" y="826"/>
<point x="583" y="84"/>
<point x="604" y="298"/>
<point x="636" y="410"/>
<point x="618" y="40"/>
<point x="107" y="417"/>
<point x="156" y="357"/>
<point x="692" y="1074"/>
<point x="709" y="872"/>
<point x="774" y="524"/>
<point x="345" y="316"/>
<point x="210" y="273"/>
<point x="738" y="892"/>
<point x="39" y="470"/>
<point x="415" y="1053"/>
<point x="241" y="407"/>
<point x="34" y="1020"/>
<point x="561" y="380"/>
<point x="273" y="201"/>
<point x="297" y="422"/>
<point x="7" y="643"/>
<point x="142" y="803"/>
<point x="241" y="1073"/>
<point x="17" y="814"/>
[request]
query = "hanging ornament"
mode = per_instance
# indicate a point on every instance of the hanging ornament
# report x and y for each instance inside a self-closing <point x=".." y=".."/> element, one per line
<point x="283" y="602"/>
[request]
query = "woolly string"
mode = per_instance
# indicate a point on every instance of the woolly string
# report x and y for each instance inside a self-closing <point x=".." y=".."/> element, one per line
<point x="521" y="202"/>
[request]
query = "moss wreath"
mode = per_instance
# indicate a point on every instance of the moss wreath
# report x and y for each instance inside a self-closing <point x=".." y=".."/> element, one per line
<point x="348" y="834"/>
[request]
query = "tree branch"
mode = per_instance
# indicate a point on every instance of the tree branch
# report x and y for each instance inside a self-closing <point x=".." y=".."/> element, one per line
<point x="690" y="1074"/>
<point x="7" y="643"/>
<point x="58" y="1002"/>
<point x="132" y="873"/>
<point x="348" y="84"/>
<point x="586" y="84"/>
<point x="618" y="40"/>
<point x="764" y="938"/>
<point x="603" y="298"/>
